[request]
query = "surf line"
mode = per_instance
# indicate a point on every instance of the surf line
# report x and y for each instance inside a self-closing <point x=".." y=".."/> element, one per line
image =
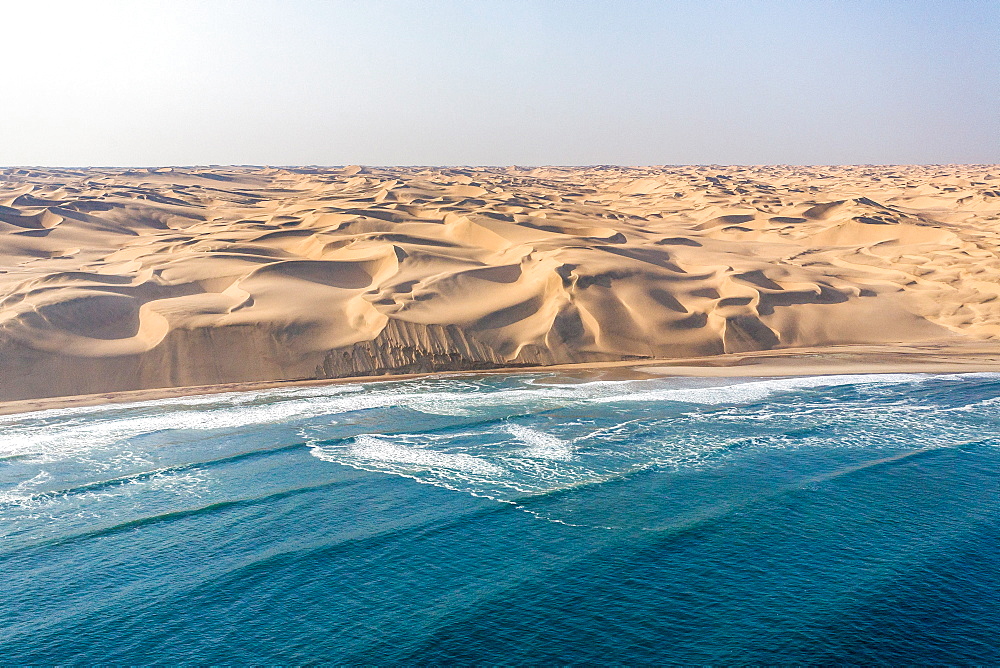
<point x="317" y="451"/>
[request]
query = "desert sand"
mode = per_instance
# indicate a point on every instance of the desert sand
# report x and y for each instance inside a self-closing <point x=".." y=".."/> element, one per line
<point x="118" y="280"/>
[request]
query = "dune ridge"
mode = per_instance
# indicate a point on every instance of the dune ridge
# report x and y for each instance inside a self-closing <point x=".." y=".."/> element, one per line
<point x="117" y="279"/>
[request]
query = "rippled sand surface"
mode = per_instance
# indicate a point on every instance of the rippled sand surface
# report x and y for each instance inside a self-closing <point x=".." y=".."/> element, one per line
<point x="134" y="279"/>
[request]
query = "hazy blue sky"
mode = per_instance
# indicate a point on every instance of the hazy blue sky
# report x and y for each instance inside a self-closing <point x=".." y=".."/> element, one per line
<point x="143" y="82"/>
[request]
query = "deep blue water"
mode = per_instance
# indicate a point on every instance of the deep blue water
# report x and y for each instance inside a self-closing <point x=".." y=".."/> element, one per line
<point x="526" y="519"/>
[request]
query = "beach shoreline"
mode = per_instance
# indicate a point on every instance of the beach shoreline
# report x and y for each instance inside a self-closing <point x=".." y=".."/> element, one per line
<point x="931" y="357"/>
<point x="212" y="279"/>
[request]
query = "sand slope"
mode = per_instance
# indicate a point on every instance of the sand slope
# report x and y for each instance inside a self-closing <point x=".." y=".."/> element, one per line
<point x="132" y="279"/>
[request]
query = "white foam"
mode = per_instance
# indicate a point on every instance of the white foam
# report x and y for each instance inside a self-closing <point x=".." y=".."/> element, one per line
<point x="745" y="392"/>
<point x="58" y="434"/>
<point x="541" y="445"/>
<point x="377" y="449"/>
<point x="56" y="441"/>
<point x="24" y="492"/>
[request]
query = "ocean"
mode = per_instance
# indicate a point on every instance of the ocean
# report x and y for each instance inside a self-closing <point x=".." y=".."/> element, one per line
<point x="521" y="519"/>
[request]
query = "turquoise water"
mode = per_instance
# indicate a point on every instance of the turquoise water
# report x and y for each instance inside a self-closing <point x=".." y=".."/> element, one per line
<point x="521" y="519"/>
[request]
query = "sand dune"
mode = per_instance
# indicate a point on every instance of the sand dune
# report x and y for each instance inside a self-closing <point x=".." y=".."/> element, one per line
<point x="133" y="279"/>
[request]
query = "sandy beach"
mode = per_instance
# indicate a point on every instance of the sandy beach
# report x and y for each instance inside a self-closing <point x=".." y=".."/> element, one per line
<point x="947" y="358"/>
<point x="170" y="281"/>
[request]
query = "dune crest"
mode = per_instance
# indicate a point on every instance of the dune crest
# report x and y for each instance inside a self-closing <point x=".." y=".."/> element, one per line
<point x="114" y="279"/>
